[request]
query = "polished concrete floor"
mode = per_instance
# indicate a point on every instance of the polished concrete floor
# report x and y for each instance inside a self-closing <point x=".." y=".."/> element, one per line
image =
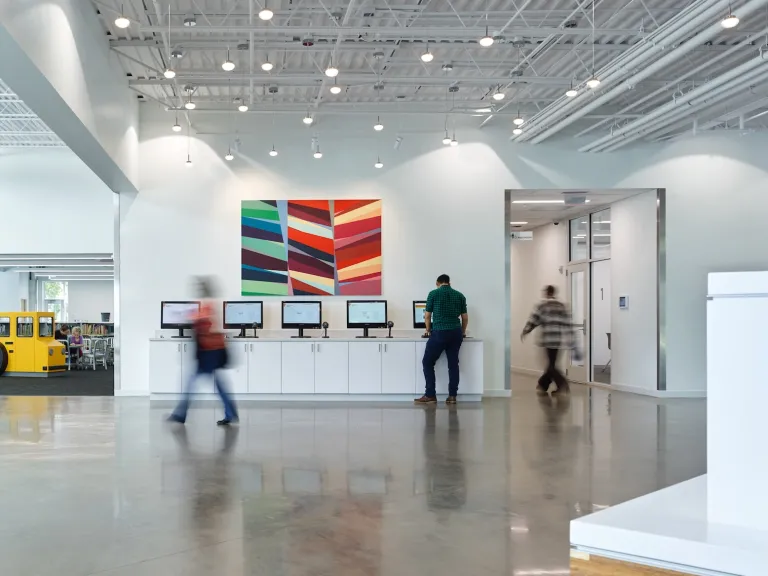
<point x="103" y="486"/>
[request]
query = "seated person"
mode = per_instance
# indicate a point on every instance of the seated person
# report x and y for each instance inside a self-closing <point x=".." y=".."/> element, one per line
<point x="77" y="340"/>
<point x="62" y="333"/>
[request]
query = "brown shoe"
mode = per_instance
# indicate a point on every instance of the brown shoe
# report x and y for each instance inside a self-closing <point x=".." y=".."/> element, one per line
<point x="426" y="400"/>
<point x="450" y="400"/>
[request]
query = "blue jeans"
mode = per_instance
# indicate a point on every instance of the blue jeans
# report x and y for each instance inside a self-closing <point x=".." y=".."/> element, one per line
<point x="208" y="363"/>
<point x="448" y="341"/>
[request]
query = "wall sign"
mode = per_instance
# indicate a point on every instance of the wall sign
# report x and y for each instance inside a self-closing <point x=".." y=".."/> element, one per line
<point x="623" y="302"/>
<point x="311" y="247"/>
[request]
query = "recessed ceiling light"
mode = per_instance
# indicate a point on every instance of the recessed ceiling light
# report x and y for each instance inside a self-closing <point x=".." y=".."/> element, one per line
<point x="169" y="73"/>
<point x="266" y="14"/>
<point x="331" y="71"/>
<point x="517" y="131"/>
<point x="730" y="21"/>
<point x="308" y="120"/>
<point x="593" y="82"/>
<point x="243" y="107"/>
<point x="267" y="66"/>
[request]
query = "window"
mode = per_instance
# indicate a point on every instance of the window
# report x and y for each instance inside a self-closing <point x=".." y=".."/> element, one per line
<point x="601" y="235"/>
<point x="25" y="326"/>
<point x="45" y="327"/>
<point x="5" y="327"/>
<point x="578" y="238"/>
<point x="55" y="299"/>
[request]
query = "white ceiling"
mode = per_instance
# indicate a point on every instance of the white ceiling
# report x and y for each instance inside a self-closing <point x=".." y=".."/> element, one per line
<point x="19" y="125"/>
<point x="542" y="47"/>
<point x="540" y="214"/>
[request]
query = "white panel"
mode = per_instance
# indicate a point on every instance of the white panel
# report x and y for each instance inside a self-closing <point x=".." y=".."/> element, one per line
<point x="331" y="368"/>
<point x="397" y="362"/>
<point x="165" y="367"/>
<point x="298" y="362"/>
<point x="87" y="300"/>
<point x="365" y="367"/>
<point x="265" y="368"/>
<point x="236" y="374"/>
<point x="204" y="384"/>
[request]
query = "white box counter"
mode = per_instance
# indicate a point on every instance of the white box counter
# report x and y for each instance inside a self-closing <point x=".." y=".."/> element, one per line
<point x="316" y="368"/>
<point x="716" y="523"/>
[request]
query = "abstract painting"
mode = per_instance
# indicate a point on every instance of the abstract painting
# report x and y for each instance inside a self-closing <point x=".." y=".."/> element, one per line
<point x="311" y="247"/>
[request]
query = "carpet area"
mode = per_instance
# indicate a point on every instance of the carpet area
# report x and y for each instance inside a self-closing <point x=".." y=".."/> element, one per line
<point x="74" y="383"/>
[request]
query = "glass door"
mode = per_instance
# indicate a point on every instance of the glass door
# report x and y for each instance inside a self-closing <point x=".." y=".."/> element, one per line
<point x="577" y="368"/>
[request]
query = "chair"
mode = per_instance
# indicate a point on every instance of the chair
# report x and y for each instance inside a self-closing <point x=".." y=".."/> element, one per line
<point x="95" y="352"/>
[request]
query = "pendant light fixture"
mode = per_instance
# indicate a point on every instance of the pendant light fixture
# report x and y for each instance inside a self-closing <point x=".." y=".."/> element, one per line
<point x="594" y="81"/>
<point x="331" y="71"/>
<point x="267" y="65"/>
<point x="176" y="127"/>
<point x="189" y="105"/>
<point x="518" y="121"/>
<point x="517" y="131"/>
<point x="317" y="153"/>
<point x="228" y="65"/>
<point x="335" y="89"/>
<point x="731" y="20"/>
<point x="571" y="92"/>
<point x="379" y="163"/>
<point x="273" y="152"/>
<point x="446" y="138"/>
<point x="427" y="56"/>
<point x="188" y="163"/>
<point x="229" y="156"/>
<point x="265" y="13"/>
<point x="242" y="106"/>
<point x="498" y="95"/>
<point x="169" y="73"/>
<point x="486" y="40"/>
<point x="308" y="119"/>
<point x="121" y="21"/>
<point x="454" y="142"/>
<point x="378" y="126"/>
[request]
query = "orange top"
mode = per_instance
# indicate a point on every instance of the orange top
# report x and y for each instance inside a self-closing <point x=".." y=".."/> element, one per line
<point x="207" y="337"/>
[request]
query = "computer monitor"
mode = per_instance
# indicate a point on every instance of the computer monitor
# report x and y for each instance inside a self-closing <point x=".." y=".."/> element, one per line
<point x="301" y="315"/>
<point x="243" y="315"/>
<point x="366" y="314"/>
<point x="419" y="306"/>
<point x="178" y="315"/>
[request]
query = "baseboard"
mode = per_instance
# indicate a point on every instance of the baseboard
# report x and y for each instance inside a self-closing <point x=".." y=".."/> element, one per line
<point x="131" y="393"/>
<point x="526" y="371"/>
<point x="497" y="394"/>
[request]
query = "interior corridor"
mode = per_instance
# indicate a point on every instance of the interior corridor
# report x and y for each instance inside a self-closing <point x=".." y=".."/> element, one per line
<point x="104" y="486"/>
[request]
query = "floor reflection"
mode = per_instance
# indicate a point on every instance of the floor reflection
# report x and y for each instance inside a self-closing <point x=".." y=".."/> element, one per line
<point x="104" y="486"/>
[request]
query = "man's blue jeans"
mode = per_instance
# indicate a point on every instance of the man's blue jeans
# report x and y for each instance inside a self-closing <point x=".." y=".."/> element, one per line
<point x="448" y="341"/>
<point x="209" y="362"/>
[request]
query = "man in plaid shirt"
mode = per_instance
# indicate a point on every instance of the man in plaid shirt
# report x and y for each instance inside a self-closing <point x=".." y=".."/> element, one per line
<point x="555" y="334"/>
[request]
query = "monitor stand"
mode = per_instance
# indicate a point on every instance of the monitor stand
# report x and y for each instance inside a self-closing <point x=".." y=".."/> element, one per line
<point x="301" y="334"/>
<point x="180" y="335"/>
<point x="242" y="333"/>
<point x="365" y="334"/>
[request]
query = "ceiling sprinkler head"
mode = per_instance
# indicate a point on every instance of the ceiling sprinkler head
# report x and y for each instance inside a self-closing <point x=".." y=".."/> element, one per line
<point x="448" y="67"/>
<point x="308" y="41"/>
<point x="177" y="53"/>
<point x="190" y="20"/>
<point x="378" y="55"/>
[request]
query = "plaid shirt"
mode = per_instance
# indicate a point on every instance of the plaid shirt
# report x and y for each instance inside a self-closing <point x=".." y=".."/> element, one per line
<point x="554" y="321"/>
<point x="446" y="305"/>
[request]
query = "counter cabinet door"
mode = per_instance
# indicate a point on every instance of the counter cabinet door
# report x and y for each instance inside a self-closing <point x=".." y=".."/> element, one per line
<point x="365" y="367"/>
<point x="298" y="367"/>
<point x="265" y="368"/>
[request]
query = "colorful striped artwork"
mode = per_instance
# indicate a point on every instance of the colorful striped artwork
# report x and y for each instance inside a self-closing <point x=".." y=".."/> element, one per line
<point x="311" y="247"/>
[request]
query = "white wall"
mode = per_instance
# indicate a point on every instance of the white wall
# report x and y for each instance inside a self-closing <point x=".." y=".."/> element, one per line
<point x="57" y="204"/>
<point x="88" y="299"/>
<point x="65" y="41"/>
<point x="533" y="265"/>
<point x="443" y="212"/>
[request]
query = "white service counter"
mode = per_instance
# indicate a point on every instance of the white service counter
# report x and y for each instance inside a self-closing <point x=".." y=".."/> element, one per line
<point x="316" y="368"/>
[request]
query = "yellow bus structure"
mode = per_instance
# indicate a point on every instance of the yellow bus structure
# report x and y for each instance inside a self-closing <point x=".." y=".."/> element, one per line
<point x="28" y="347"/>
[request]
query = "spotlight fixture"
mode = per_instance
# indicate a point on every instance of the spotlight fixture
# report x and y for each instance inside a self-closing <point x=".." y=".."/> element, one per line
<point x="267" y="66"/>
<point x="486" y="40"/>
<point x="169" y="73"/>
<point x="266" y="13"/>
<point x="446" y="139"/>
<point x="335" y="89"/>
<point x="730" y="21"/>
<point x="121" y="21"/>
<point x="229" y="156"/>
<point x="378" y="126"/>
<point x="176" y="127"/>
<point x="331" y="71"/>
<point x="308" y="119"/>
<point x="427" y="56"/>
<point x="517" y="131"/>
<point x="518" y="121"/>
<point x="188" y="163"/>
<point x="593" y="82"/>
<point x="243" y="107"/>
<point x="498" y="95"/>
<point x="378" y="164"/>
<point x="273" y="152"/>
<point x="318" y="154"/>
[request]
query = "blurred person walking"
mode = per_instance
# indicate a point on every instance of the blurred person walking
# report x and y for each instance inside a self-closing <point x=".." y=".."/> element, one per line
<point x="211" y="350"/>
<point x="555" y="333"/>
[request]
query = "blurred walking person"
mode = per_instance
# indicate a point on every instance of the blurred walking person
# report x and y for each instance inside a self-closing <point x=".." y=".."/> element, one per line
<point x="555" y="333"/>
<point x="211" y="350"/>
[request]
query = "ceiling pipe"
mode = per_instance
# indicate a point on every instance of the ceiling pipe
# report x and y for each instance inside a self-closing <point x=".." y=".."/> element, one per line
<point x="722" y="118"/>
<point x="697" y="40"/>
<point x="724" y="86"/>
<point x="629" y="60"/>
<point x="713" y="60"/>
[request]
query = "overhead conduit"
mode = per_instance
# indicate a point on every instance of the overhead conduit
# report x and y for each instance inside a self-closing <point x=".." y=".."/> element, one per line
<point x="540" y="131"/>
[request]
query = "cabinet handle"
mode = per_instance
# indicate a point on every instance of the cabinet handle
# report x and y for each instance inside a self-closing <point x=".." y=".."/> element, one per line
<point x="251" y="347"/>
<point x="185" y="347"/>
<point x="179" y="347"/>
<point x="318" y="347"/>
<point x="379" y="347"/>
<point x="385" y="347"/>
<point x="246" y="347"/>
<point x="313" y="347"/>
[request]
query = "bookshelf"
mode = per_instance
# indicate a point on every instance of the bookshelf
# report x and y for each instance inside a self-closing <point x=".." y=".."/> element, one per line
<point x="91" y="328"/>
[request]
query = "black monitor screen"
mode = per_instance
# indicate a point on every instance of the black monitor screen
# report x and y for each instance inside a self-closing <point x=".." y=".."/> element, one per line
<point x="366" y="313"/>
<point x="419" y="306"/>
<point x="243" y="314"/>
<point x="178" y="314"/>
<point x="302" y="314"/>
